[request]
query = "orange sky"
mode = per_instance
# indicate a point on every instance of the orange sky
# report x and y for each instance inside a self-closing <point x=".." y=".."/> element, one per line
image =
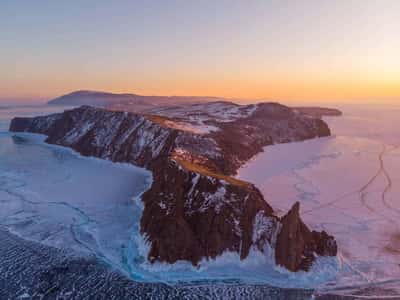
<point x="308" y="88"/>
<point x="281" y="50"/>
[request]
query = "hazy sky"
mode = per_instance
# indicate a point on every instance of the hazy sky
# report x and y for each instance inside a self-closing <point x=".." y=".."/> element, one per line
<point x="304" y="50"/>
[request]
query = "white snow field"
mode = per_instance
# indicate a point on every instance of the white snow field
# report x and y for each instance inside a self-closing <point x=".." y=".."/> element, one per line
<point x="348" y="185"/>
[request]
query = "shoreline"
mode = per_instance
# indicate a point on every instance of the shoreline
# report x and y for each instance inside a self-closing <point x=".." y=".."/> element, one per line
<point x="53" y="273"/>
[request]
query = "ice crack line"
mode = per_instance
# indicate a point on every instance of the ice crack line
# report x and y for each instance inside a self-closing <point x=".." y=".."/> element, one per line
<point x="363" y="191"/>
<point x="389" y="184"/>
<point x="381" y="171"/>
<point x="74" y="228"/>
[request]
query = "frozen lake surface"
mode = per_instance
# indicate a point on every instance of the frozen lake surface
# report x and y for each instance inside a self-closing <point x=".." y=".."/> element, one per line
<point x="347" y="184"/>
<point x="52" y="195"/>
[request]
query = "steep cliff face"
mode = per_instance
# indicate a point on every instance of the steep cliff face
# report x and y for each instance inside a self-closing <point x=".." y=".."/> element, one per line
<point x="194" y="209"/>
<point x="199" y="215"/>
<point x="297" y="246"/>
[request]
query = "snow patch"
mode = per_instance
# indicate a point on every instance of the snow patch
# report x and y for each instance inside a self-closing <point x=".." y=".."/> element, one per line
<point x="215" y="200"/>
<point x="198" y="128"/>
<point x="263" y="226"/>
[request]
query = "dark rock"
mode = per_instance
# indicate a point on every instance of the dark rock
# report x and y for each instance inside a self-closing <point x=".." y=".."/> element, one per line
<point x="297" y="247"/>
<point x="325" y="244"/>
<point x="198" y="216"/>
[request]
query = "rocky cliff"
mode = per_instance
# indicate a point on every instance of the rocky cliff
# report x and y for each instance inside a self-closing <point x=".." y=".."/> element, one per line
<point x="194" y="208"/>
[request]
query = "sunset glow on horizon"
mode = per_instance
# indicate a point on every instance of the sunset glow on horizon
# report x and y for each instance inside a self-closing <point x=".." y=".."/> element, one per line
<point x="281" y="50"/>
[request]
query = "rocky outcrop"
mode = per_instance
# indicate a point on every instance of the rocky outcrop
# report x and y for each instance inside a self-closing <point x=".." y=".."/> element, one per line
<point x="297" y="246"/>
<point x="199" y="215"/>
<point x="194" y="209"/>
<point x="269" y="124"/>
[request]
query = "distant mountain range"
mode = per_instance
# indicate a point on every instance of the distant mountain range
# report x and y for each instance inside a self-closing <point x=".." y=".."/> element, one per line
<point x="127" y="102"/>
<point x="164" y="105"/>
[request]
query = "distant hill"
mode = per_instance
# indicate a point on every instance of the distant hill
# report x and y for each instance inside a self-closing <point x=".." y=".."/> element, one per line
<point x="93" y="98"/>
<point x="126" y="102"/>
<point x="318" y="112"/>
<point x="182" y="106"/>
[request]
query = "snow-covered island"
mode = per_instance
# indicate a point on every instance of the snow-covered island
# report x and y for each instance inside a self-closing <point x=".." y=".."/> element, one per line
<point x="195" y="209"/>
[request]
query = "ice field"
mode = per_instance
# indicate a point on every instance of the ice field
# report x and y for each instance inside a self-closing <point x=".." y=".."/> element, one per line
<point x="348" y="185"/>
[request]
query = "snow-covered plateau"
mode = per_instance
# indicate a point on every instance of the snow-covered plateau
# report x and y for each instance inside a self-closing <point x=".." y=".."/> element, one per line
<point x="348" y="185"/>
